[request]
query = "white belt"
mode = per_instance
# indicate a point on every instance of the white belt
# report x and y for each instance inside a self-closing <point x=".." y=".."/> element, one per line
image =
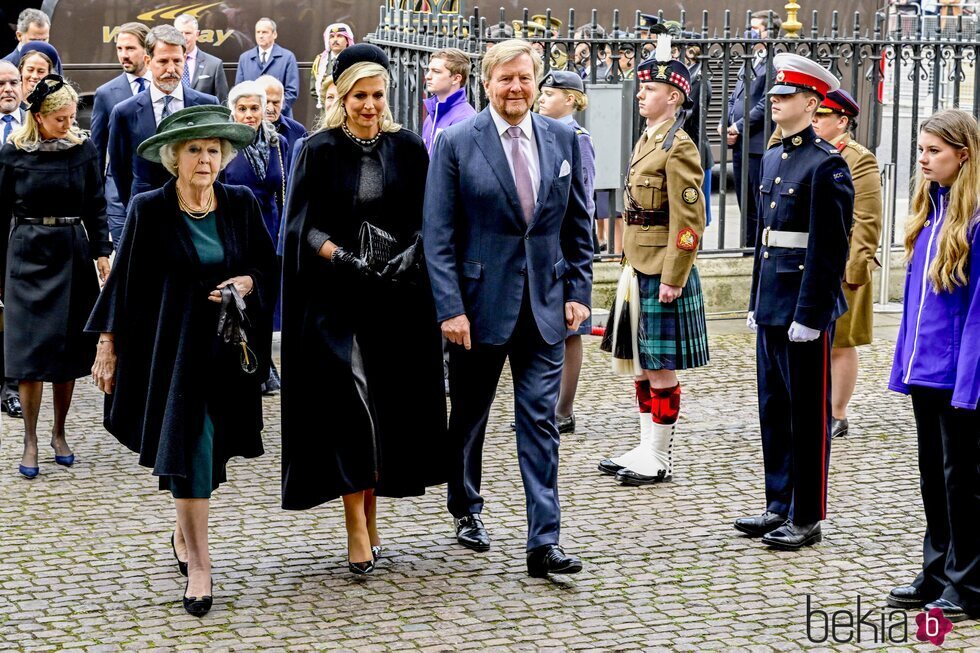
<point x="790" y="239"/>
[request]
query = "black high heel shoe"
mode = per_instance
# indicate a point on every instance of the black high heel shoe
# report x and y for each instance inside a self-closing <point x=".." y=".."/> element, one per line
<point x="360" y="568"/>
<point x="376" y="551"/>
<point x="181" y="565"/>
<point x="198" y="606"/>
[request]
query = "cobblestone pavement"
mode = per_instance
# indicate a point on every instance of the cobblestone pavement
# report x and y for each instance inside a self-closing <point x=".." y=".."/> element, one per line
<point x="85" y="560"/>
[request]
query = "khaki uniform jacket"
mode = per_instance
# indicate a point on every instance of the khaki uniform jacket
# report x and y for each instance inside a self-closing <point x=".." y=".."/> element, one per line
<point x="665" y="181"/>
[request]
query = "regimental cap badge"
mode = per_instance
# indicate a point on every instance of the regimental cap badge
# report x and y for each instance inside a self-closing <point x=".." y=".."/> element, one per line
<point x="780" y="76"/>
<point x="661" y="72"/>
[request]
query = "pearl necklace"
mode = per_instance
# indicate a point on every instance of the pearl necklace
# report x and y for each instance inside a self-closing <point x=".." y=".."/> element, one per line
<point x="195" y="215"/>
<point x="364" y="142"/>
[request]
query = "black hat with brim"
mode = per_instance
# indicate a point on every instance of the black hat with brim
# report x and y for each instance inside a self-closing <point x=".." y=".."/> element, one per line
<point x="203" y="121"/>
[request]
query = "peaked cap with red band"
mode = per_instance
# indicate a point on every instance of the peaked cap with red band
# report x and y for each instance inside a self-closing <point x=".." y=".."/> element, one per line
<point x="840" y="101"/>
<point x="795" y="73"/>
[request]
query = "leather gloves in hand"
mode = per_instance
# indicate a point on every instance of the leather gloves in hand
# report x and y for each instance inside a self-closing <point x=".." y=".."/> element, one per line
<point x="800" y="333"/>
<point x="750" y="321"/>
<point x="347" y="259"/>
<point x="404" y="262"/>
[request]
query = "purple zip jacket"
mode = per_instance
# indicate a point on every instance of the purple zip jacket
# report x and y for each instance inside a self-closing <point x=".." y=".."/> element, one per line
<point x="440" y="115"/>
<point x="939" y="338"/>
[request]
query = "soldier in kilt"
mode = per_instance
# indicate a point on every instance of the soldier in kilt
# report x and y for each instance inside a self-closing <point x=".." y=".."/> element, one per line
<point x="665" y="219"/>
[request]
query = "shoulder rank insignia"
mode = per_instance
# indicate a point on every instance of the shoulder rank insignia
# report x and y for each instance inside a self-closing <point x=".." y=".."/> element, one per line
<point x="687" y="240"/>
<point x="690" y="195"/>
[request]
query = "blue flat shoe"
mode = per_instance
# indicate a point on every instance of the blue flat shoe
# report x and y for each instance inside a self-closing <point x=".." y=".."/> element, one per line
<point x="28" y="472"/>
<point x="66" y="461"/>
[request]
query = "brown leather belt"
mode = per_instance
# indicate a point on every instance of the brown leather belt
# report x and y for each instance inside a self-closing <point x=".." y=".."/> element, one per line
<point x="647" y="218"/>
<point x="49" y="221"/>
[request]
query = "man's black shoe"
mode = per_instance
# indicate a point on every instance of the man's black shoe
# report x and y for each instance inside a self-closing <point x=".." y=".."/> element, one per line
<point x="790" y="537"/>
<point x="909" y="597"/>
<point x="12" y="406"/>
<point x="838" y="428"/>
<point x="759" y="525"/>
<point x="550" y="559"/>
<point x="471" y="533"/>
<point x="565" y="424"/>
<point x="950" y="610"/>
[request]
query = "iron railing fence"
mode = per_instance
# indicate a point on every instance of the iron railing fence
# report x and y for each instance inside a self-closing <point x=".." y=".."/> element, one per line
<point x="897" y="77"/>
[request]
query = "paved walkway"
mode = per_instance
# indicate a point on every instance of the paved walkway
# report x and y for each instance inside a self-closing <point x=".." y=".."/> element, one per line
<point x="85" y="560"/>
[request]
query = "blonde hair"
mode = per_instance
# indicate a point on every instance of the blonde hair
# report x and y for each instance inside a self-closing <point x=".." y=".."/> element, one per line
<point x="960" y="130"/>
<point x="28" y="135"/>
<point x="581" y="99"/>
<point x="170" y="151"/>
<point x="337" y="114"/>
<point x="507" y="51"/>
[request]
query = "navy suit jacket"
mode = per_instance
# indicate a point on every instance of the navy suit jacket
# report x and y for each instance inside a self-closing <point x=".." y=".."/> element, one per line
<point x="116" y="91"/>
<point x="754" y="123"/>
<point x="281" y="65"/>
<point x="131" y="123"/>
<point x="210" y="76"/>
<point x="289" y="129"/>
<point x="479" y="249"/>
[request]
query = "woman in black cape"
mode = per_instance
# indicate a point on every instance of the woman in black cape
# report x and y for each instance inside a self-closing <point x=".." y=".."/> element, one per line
<point x="363" y="401"/>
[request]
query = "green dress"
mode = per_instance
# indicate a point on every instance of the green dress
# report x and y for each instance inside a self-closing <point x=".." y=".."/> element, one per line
<point x="203" y="478"/>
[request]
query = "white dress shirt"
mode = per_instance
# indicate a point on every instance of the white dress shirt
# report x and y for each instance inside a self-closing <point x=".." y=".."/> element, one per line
<point x="133" y="86"/>
<point x="266" y="53"/>
<point x="156" y="96"/>
<point x="527" y="143"/>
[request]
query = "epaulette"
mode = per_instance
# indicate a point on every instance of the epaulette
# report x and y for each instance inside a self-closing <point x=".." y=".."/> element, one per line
<point x="826" y="146"/>
<point x="581" y="130"/>
<point x="862" y="150"/>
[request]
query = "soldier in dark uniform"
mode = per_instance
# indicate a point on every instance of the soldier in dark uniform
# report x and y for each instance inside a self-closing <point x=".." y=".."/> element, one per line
<point x="664" y="223"/>
<point x="806" y="204"/>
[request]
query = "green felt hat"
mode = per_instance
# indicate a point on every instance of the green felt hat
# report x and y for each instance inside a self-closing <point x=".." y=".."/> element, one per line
<point x="203" y="121"/>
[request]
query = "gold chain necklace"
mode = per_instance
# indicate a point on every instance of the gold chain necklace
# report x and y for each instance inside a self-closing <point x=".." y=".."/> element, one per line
<point x="195" y="215"/>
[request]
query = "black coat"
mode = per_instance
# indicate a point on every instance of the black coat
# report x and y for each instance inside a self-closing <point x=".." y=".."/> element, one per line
<point x="46" y="272"/>
<point x="334" y="444"/>
<point x="170" y="361"/>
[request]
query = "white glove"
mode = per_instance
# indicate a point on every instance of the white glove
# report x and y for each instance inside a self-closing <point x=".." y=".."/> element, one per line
<point x="750" y="321"/>
<point x="800" y="333"/>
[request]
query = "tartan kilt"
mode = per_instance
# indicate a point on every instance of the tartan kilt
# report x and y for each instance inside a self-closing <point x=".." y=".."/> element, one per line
<point x="672" y="336"/>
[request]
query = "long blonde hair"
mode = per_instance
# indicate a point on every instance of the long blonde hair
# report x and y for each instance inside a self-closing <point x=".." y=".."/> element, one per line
<point x="960" y="130"/>
<point x="337" y="115"/>
<point x="28" y="135"/>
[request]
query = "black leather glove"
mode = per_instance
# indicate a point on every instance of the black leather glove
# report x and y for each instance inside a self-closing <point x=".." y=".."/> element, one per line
<point x="404" y="262"/>
<point x="347" y="259"/>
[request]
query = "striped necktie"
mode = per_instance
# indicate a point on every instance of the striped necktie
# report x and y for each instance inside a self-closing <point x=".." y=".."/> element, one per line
<point x="167" y="99"/>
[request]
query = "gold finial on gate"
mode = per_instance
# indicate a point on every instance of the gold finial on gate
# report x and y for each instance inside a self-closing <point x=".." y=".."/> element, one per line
<point x="791" y="25"/>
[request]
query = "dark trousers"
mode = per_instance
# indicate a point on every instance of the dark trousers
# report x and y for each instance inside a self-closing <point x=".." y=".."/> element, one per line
<point x="794" y="413"/>
<point x="949" y="477"/>
<point x="754" y="170"/>
<point x="473" y="377"/>
<point x="8" y="387"/>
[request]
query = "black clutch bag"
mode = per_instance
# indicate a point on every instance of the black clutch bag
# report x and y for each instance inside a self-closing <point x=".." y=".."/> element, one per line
<point x="377" y="246"/>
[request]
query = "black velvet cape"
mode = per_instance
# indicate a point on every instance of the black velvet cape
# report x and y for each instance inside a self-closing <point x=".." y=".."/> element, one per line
<point x="171" y="363"/>
<point x="333" y="442"/>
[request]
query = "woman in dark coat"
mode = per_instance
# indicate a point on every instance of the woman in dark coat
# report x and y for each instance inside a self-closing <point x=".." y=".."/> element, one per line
<point x="51" y="196"/>
<point x="178" y="394"/>
<point x="363" y="402"/>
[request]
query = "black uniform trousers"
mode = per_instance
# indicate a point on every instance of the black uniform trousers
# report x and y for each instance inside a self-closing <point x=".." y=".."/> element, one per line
<point x="754" y="171"/>
<point x="795" y="415"/>
<point x="949" y="477"/>
<point x="8" y="387"/>
<point x="473" y="376"/>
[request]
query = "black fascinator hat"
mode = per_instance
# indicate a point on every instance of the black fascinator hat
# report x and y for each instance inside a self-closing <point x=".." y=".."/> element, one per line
<point x="48" y="85"/>
<point x="360" y="53"/>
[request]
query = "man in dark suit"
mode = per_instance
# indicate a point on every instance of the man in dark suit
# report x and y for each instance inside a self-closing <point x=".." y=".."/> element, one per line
<point x="131" y="53"/>
<point x="11" y="119"/>
<point x="136" y="119"/>
<point x="753" y="123"/>
<point x="268" y="58"/>
<point x="32" y="25"/>
<point x="508" y="243"/>
<point x="203" y="72"/>
<point x="288" y="128"/>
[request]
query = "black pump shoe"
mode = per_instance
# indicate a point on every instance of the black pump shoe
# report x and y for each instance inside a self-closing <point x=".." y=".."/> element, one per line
<point x="181" y="565"/>
<point x="360" y="568"/>
<point x="198" y="606"/>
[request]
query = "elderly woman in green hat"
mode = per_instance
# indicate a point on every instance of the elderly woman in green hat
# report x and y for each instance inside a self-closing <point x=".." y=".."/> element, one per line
<point x="180" y="392"/>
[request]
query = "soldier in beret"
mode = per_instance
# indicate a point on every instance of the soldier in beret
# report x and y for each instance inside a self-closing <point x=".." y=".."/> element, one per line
<point x="665" y="218"/>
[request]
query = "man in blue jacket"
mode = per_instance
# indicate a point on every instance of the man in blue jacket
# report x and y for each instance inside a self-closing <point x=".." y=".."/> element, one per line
<point x="445" y="79"/>
<point x="508" y="243"/>
<point x="268" y="58"/>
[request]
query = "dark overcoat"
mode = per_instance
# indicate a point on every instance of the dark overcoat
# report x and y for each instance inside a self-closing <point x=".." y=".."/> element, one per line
<point x="335" y="442"/>
<point x="46" y="272"/>
<point x="170" y="361"/>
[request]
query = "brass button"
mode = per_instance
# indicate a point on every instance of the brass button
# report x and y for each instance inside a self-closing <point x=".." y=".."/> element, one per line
<point x="646" y="182"/>
<point x="801" y="267"/>
<point x="772" y="205"/>
<point x="765" y="255"/>
<point x="926" y="224"/>
<point x="790" y="191"/>
<point x="645" y="227"/>
<point x="778" y="179"/>
<point x="785" y="156"/>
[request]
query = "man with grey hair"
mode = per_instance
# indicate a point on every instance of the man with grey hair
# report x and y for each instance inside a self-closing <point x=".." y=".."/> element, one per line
<point x="32" y="25"/>
<point x="288" y="128"/>
<point x="269" y="58"/>
<point x="202" y="71"/>
<point x="136" y="119"/>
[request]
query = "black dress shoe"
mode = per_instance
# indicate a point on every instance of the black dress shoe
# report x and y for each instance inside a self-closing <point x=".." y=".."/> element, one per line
<point x="909" y="597"/>
<point x="790" y="537"/>
<point x="12" y="406"/>
<point x="550" y="559"/>
<point x="565" y="424"/>
<point x="950" y="610"/>
<point x="759" y="525"/>
<point x="838" y="428"/>
<point x="471" y="533"/>
<point x="198" y="606"/>
<point x="607" y="466"/>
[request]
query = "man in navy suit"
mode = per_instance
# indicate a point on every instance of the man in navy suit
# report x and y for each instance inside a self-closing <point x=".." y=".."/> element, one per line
<point x="32" y="25"/>
<point x="136" y="119"/>
<point x="270" y="59"/>
<point x="752" y="124"/>
<point x="131" y="53"/>
<point x="508" y="243"/>
<point x="202" y="71"/>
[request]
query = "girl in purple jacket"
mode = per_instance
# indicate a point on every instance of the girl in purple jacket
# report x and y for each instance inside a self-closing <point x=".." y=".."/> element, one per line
<point x="937" y="362"/>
